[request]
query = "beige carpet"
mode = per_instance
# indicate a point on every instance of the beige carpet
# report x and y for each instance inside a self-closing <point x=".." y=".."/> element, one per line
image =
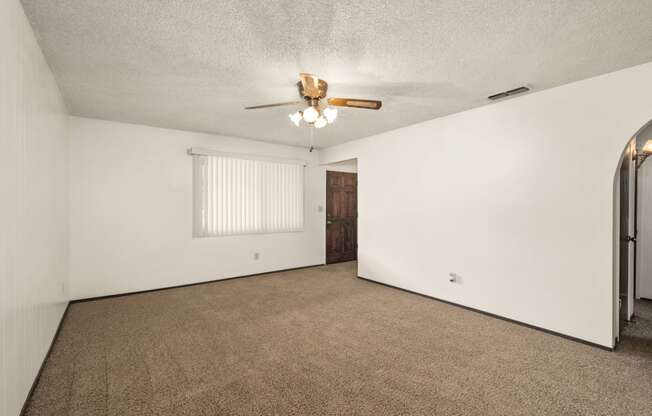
<point x="319" y="341"/>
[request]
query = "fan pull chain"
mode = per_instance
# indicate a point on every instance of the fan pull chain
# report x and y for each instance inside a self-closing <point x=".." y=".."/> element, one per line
<point x="312" y="133"/>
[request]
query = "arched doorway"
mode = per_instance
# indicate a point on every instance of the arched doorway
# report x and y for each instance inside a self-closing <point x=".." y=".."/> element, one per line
<point x="627" y="231"/>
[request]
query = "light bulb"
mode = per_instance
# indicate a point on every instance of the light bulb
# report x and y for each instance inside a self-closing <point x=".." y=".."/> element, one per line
<point x="320" y="122"/>
<point x="648" y="147"/>
<point x="310" y="115"/>
<point x="330" y="114"/>
<point x="295" y="118"/>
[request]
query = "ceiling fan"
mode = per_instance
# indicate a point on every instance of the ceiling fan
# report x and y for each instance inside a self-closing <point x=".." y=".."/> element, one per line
<point x="313" y="90"/>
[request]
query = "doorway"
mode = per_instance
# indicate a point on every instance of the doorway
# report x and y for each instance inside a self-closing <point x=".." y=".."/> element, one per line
<point x="632" y="270"/>
<point x="643" y="281"/>
<point x="341" y="216"/>
<point x="627" y="235"/>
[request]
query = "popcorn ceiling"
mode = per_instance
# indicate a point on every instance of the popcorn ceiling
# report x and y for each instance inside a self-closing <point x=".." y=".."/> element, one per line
<point x="194" y="65"/>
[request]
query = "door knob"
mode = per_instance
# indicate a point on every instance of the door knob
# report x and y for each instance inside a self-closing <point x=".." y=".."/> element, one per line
<point x="329" y="222"/>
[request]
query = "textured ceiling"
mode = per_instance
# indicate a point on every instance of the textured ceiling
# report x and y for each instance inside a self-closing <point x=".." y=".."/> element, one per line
<point x="194" y="64"/>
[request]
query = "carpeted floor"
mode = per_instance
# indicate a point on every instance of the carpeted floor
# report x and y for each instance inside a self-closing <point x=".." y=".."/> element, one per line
<point x="320" y="341"/>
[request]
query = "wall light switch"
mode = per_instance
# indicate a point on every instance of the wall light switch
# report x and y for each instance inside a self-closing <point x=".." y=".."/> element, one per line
<point x="256" y="256"/>
<point x="320" y="208"/>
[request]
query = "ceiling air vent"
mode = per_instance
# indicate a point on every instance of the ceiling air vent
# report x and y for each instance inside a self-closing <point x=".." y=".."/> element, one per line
<point x="509" y="93"/>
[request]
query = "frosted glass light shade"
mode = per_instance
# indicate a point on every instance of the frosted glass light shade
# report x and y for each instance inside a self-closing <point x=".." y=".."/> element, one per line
<point x="310" y="115"/>
<point x="330" y="114"/>
<point x="320" y="122"/>
<point x="295" y="118"/>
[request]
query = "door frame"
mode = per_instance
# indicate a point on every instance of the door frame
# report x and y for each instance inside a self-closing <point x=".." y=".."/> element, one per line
<point x="626" y="166"/>
<point x="633" y="232"/>
<point x="350" y="165"/>
<point x="628" y="153"/>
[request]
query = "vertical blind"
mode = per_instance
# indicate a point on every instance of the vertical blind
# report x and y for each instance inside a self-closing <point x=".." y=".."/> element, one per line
<point x="245" y="196"/>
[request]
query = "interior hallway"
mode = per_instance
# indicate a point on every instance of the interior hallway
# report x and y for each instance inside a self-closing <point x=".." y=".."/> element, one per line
<point x="637" y="335"/>
<point x="321" y="341"/>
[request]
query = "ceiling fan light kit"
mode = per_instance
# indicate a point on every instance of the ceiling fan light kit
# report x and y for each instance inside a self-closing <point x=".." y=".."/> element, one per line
<point x="312" y="90"/>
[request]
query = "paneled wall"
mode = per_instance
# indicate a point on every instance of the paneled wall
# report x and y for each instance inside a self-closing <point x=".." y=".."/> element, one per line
<point x="33" y="207"/>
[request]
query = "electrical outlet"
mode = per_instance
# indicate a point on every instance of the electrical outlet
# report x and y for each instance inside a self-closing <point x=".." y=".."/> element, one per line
<point x="256" y="256"/>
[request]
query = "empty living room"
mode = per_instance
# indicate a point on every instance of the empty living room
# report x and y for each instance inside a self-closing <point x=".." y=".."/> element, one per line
<point x="366" y="207"/>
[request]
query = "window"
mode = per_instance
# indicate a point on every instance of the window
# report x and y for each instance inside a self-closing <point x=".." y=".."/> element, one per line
<point x="238" y="195"/>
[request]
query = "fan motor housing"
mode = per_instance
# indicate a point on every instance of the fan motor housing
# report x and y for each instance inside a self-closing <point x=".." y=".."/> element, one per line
<point x="322" y="87"/>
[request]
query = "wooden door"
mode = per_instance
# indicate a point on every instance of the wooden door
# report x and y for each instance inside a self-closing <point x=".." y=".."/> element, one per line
<point x="341" y="216"/>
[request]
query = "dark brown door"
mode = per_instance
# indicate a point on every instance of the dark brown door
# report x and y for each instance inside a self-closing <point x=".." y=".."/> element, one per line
<point x="341" y="216"/>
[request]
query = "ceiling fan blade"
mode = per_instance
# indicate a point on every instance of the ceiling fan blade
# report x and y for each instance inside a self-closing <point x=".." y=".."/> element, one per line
<point x="254" y="107"/>
<point x="356" y="103"/>
<point x="310" y="84"/>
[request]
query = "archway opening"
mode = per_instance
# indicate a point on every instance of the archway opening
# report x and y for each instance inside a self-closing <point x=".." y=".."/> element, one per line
<point x="633" y="238"/>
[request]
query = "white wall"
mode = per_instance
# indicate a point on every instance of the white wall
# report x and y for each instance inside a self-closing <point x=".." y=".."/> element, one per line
<point x="516" y="197"/>
<point x="33" y="207"/>
<point x="131" y="212"/>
